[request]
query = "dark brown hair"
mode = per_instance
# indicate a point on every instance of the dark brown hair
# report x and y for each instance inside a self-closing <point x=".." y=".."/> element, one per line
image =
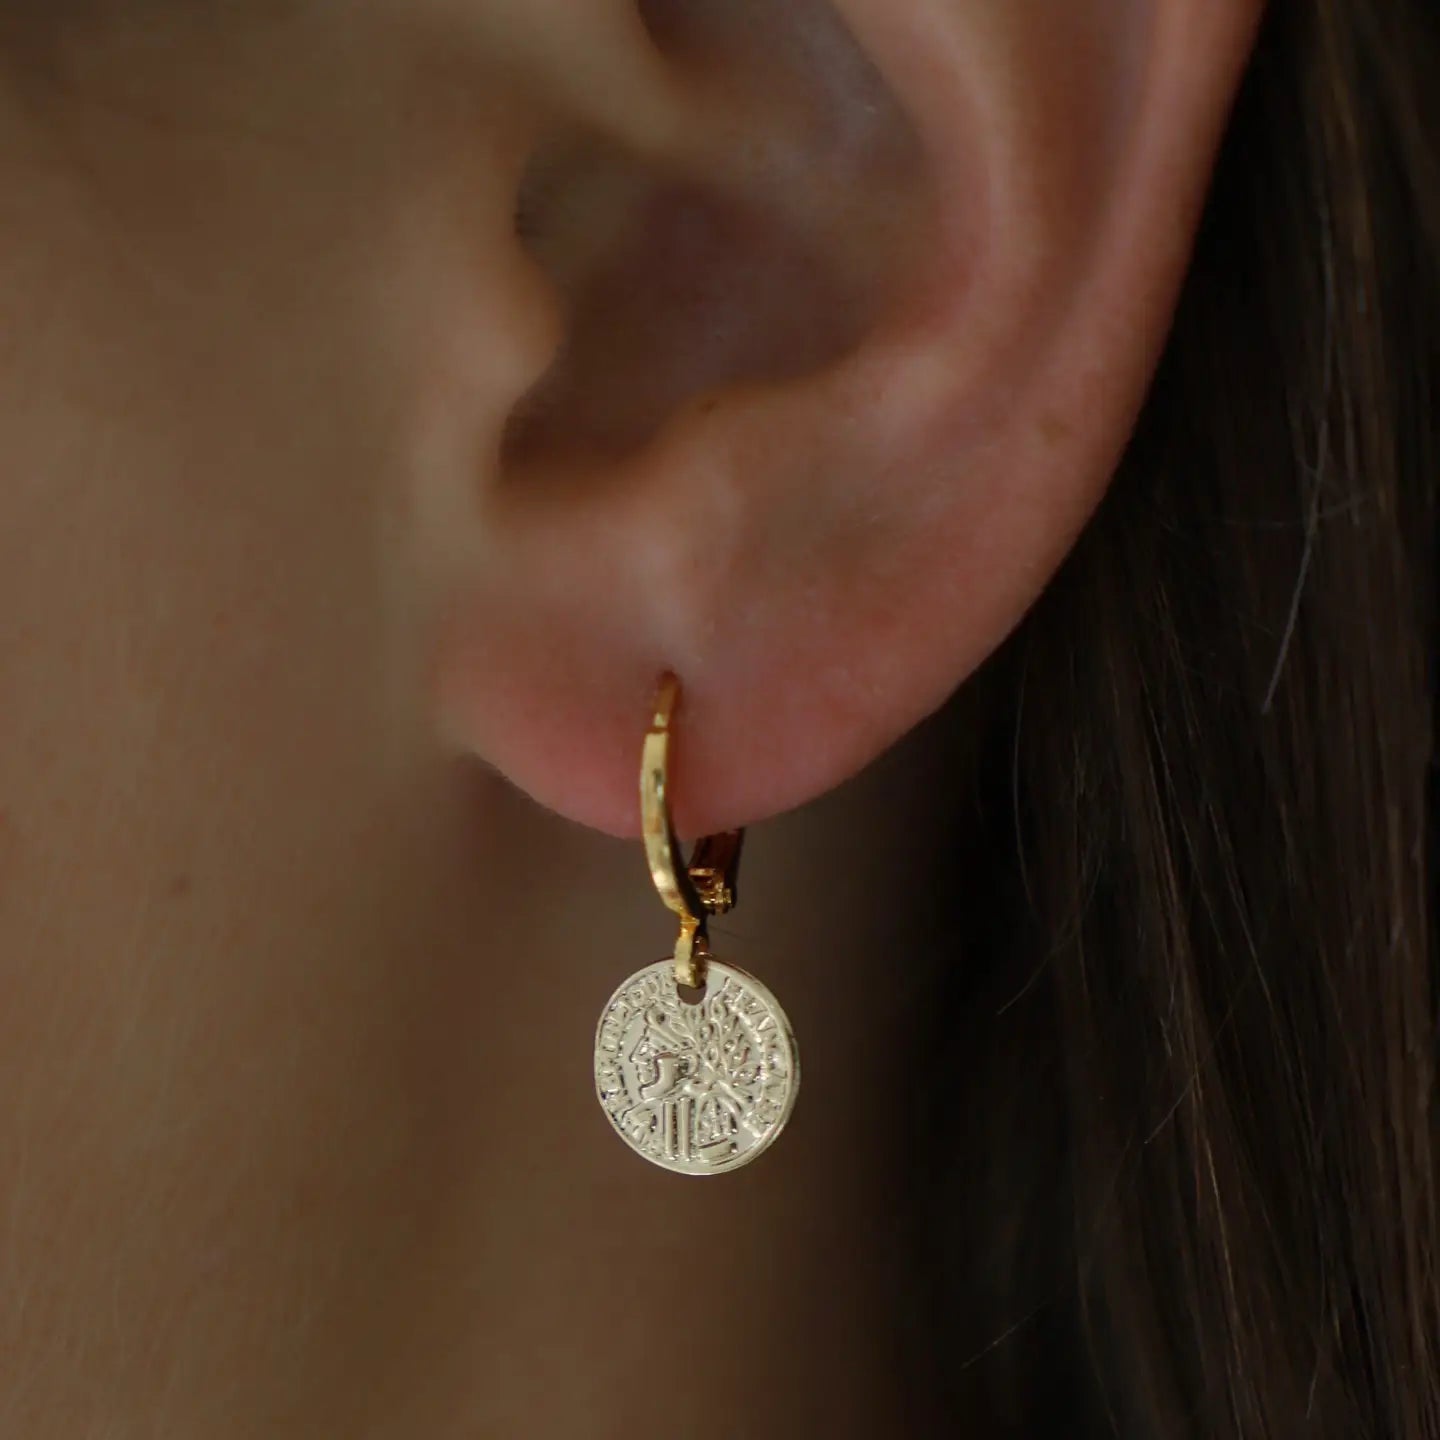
<point x="1198" y="1196"/>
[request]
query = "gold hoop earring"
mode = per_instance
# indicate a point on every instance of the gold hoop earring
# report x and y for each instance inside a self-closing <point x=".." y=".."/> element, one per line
<point x="698" y="1086"/>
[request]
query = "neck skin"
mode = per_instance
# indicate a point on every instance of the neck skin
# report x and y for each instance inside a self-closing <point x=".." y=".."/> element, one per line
<point x="299" y="1134"/>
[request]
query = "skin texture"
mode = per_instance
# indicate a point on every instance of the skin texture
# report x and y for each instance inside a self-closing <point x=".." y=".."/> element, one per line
<point x="331" y="500"/>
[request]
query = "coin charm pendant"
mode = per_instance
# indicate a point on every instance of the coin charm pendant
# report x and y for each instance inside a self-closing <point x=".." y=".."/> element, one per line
<point x="696" y="1088"/>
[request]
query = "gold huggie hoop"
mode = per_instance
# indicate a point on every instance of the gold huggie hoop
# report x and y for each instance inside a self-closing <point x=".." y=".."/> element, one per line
<point x="696" y="1086"/>
<point x="706" y="885"/>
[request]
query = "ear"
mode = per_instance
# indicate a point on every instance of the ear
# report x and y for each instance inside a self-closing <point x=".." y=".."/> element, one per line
<point x="860" y="303"/>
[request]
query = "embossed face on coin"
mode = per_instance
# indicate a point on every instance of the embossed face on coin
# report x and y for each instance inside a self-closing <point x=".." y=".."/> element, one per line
<point x="697" y="1088"/>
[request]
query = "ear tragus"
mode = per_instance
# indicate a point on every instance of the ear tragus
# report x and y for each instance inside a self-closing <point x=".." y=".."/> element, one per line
<point x="764" y="253"/>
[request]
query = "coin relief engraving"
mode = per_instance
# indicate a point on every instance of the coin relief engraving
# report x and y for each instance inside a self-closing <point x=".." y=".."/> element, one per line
<point x="697" y="1088"/>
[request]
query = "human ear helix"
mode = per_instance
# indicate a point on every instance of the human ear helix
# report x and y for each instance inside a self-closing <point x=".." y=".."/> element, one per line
<point x="696" y="1085"/>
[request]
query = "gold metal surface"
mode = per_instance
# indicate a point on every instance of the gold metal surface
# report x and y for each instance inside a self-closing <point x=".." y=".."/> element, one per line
<point x="697" y="1089"/>
<point x="698" y="1086"/>
<point x="706" y="885"/>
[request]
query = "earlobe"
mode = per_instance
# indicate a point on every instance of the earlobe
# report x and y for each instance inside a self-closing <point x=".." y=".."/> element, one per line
<point x="843" y="376"/>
